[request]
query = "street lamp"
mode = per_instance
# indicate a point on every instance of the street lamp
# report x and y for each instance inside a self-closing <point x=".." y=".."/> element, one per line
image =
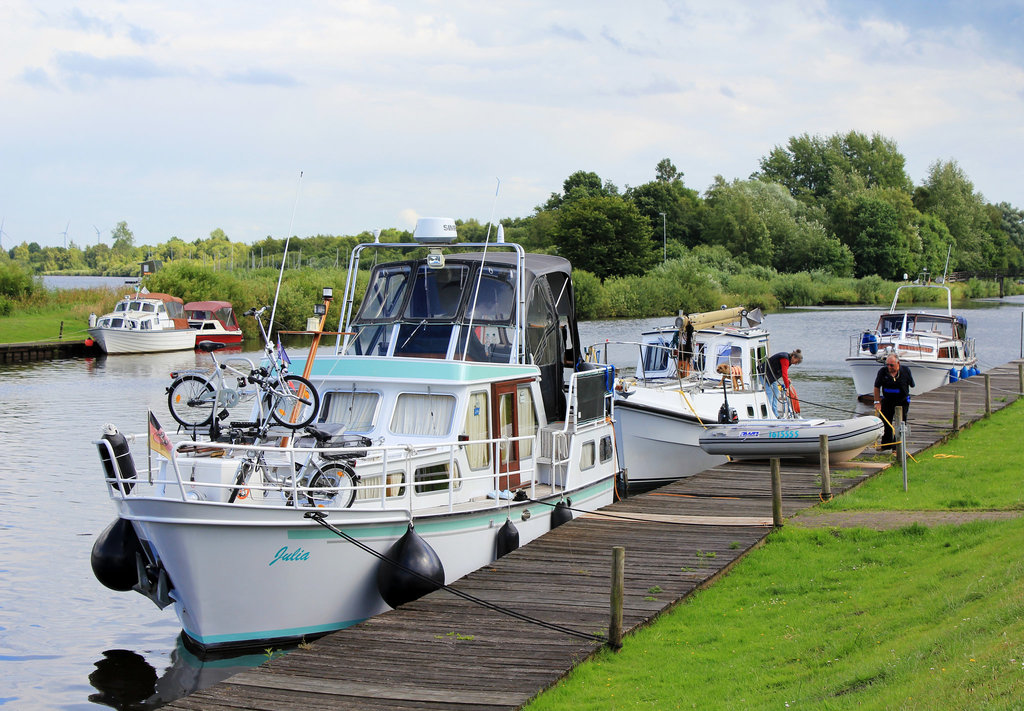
<point x="664" y="238"/>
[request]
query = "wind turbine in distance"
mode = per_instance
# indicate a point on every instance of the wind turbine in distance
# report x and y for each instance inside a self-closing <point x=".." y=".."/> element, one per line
<point x="2" y="233"/>
<point x="65" y="233"/>
<point x="97" y="233"/>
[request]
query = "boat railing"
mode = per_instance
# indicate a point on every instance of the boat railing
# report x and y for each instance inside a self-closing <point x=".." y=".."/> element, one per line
<point x="923" y="346"/>
<point x="180" y="477"/>
<point x="686" y="373"/>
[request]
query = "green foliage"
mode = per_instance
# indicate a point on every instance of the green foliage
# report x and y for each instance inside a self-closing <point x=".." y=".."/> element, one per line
<point x="589" y="295"/>
<point x="604" y="235"/>
<point x="15" y="281"/>
<point x="796" y="290"/>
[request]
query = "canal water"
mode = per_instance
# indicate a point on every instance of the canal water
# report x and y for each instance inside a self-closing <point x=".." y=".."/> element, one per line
<point x="67" y="642"/>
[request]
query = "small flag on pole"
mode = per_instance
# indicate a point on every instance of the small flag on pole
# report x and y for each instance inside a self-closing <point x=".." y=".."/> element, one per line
<point x="158" y="440"/>
<point x="281" y="354"/>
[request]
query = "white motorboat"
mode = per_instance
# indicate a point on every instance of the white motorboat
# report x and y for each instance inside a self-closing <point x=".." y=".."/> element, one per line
<point x="143" y="322"/>
<point x="464" y="435"/>
<point x="792" y="439"/>
<point x="701" y="371"/>
<point x="215" y="321"/>
<point x="934" y="346"/>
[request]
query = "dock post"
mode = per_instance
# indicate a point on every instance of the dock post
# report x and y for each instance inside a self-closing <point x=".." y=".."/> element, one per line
<point x="988" y="394"/>
<point x="897" y="429"/>
<point x="776" y="495"/>
<point x="956" y="410"/>
<point x="618" y="583"/>
<point x="826" y="474"/>
<point x="1020" y="378"/>
<point x="903" y="453"/>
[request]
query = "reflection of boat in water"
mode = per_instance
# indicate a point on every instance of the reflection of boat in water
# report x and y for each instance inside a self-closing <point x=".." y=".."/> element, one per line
<point x="143" y="323"/>
<point x="934" y="346"/>
<point x="792" y="439"/>
<point x="701" y="371"/>
<point x="466" y="432"/>
<point x="126" y="680"/>
<point x="214" y="320"/>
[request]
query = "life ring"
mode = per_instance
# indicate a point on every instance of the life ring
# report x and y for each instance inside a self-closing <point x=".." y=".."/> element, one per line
<point x="794" y="400"/>
<point x="243" y="494"/>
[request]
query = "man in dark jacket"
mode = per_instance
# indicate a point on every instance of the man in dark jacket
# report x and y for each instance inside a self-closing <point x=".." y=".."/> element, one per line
<point x="892" y="390"/>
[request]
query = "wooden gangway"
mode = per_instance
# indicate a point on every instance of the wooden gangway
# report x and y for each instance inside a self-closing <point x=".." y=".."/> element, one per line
<point x="444" y="652"/>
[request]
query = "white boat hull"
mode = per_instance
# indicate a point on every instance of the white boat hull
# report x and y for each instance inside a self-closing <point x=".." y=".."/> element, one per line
<point x="119" y="340"/>
<point x="928" y="375"/>
<point x="793" y="439"/>
<point x="281" y="576"/>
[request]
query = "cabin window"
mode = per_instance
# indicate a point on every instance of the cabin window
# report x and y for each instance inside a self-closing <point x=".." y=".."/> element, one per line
<point x="355" y="409"/>
<point x="368" y="487"/>
<point x="487" y="343"/>
<point x="758" y="359"/>
<point x="656" y="356"/>
<point x="150" y="308"/>
<point x="496" y="300"/>
<point x="478" y="427"/>
<point x="527" y="421"/>
<point x="427" y="340"/>
<point x="370" y="339"/>
<point x="437" y="293"/>
<point x="606" y="448"/>
<point x="117" y="323"/>
<point x="121" y="306"/>
<point x="423" y="414"/>
<point x="542" y="329"/>
<point x="435" y="478"/>
<point x="587" y="455"/>
<point x="730" y="356"/>
<point x="385" y="294"/>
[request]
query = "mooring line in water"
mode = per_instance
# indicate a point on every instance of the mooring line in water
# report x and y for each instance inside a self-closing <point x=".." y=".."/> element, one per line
<point x="321" y="518"/>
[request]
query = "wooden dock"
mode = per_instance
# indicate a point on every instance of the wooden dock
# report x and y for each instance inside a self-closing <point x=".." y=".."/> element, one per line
<point x="45" y="350"/>
<point x="445" y="652"/>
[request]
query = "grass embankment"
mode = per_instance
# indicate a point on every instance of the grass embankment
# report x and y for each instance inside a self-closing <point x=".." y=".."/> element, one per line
<point x="829" y="618"/>
<point x="39" y="318"/>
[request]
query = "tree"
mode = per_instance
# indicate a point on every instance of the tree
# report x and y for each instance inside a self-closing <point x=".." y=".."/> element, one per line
<point x="874" y="237"/>
<point x="123" y="239"/>
<point x="579" y="185"/>
<point x="949" y="195"/>
<point x="605" y="235"/>
<point x="667" y="194"/>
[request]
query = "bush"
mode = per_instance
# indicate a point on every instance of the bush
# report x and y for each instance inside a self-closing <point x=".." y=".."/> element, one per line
<point x="6" y="306"/>
<point x="796" y="290"/>
<point x="15" y="282"/>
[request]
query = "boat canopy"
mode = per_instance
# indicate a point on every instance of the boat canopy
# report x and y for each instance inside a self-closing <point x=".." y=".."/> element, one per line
<point x="207" y="310"/>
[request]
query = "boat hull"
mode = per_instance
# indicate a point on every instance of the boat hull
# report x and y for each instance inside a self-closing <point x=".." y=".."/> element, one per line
<point x="793" y="439"/>
<point x="275" y="564"/>
<point x="928" y="375"/>
<point x="118" y="340"/>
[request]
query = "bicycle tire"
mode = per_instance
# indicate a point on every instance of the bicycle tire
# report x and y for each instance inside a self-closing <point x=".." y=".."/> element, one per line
<point x="339" y="481"/>
<point x="298" y="405"/>
<point x="190" y="400"/>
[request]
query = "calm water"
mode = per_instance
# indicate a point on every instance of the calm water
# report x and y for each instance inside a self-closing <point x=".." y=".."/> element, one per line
<point x="67" y="642"/>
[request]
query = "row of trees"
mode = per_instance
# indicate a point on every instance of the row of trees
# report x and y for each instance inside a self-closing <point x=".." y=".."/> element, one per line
<point x="842" y="205"/>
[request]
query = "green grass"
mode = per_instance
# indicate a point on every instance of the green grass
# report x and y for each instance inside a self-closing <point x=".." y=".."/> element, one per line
<point x="39" y="319"/>
<point x="916" y="618"/>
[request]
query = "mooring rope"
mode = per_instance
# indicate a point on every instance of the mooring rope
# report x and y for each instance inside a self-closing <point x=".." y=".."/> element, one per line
<point x="321" y="518"/>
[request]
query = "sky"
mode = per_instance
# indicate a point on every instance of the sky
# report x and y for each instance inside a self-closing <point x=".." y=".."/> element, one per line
<point x="338" y="116"/>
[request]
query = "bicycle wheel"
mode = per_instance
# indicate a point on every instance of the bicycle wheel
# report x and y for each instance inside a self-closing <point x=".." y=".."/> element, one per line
<point x="190" y="399"/>
<point x="294" y="402"/>
<point x="331" y="485"/>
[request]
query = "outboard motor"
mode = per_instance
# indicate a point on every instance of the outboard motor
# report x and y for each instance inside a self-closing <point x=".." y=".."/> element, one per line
<point x="125" y="467"/>
<point x="727" y="415"/>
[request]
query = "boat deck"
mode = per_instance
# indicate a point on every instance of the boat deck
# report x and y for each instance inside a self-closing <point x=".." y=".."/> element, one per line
<point x="442" y="650"/>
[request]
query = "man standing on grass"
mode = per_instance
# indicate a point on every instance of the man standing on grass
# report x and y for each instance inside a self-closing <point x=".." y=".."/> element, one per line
<point x="892" y="390"/>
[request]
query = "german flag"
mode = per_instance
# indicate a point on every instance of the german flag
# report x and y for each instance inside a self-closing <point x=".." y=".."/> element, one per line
<point x="158" y="440"/>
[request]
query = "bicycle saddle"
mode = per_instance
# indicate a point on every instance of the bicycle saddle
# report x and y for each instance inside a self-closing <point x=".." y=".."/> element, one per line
<point x="210" y="346"/>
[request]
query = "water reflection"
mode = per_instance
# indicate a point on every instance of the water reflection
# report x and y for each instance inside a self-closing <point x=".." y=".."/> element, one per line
<point x="125" y="680"/>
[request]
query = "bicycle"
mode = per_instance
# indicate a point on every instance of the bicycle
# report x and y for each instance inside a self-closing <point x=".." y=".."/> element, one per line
<point x="327" y="479"/>
<point x="290" y="400"/>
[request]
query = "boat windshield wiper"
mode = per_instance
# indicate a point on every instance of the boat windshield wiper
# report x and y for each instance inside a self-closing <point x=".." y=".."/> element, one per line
<point x="409" y="337"/>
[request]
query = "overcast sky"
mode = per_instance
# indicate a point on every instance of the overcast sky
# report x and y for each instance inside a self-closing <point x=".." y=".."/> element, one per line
<point x="186" y="116"/>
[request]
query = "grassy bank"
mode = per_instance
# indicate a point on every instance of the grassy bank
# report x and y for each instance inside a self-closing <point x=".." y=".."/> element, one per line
<point x="916" y="618"/>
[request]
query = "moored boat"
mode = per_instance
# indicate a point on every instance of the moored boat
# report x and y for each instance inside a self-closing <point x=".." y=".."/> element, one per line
<point x="214" y="320"/>
<point x="935" y="347"/>
<point x="792" y="439"/>
<point x="451" y="431"/>
<point x="702" y="370"/>
<point x="143" y="322"/>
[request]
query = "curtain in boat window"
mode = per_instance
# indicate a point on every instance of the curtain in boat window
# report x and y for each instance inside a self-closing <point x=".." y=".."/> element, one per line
<point x="423" y="414"/>
<point x="527" y="421"/>
<point x="478" y="420"/>
<point x="353" y="409"/>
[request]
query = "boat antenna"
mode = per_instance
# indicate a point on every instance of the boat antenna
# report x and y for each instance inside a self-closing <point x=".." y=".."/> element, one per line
<point x="949" y="249"/>
<point x="480" y="272"/>
<point x="284" y="258"/>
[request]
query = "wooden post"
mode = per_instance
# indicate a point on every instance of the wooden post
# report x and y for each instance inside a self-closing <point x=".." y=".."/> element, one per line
<point x="956" y="410"/>
<point x="897" y="429"/>
<point x="988" y="394"/>
<point x="1020" y="378"/>
<point x="618" y="583"/>
<point x="826" y="474"/>
<point x="776" y="495"/>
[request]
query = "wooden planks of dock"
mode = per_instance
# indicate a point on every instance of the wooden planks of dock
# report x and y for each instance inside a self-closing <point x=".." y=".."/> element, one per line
<point x="443" y="652"/>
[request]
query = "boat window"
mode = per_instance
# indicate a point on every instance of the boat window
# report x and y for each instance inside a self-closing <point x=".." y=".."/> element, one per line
<point x="117" y="323"/>
<point x="435" y="478"/>
<point x="423" y="340"/>
<point x="478" y="427"/>
<point x="527" y="421"/>
<point x="150" y="308"/>
<point x="542" y="328"/>
<point x="354" y="409"/>
<point x="924" y="323"/>
<point x="587" y="455"/>
<point x="437" y="293"/>
<point x="890" y="324"/>
<point x="423" y="414"/>
<point x="368" y="487"/>
<point x="370" y="339"/>
<point x="121" y="306"/>
<point x="606" y="448"/>
<point x="731" y="356"/>
<point x="209" y="327"/>
<point x="487" y="344"/>
<point x="656" y="356"/>
<point x="385" y="293"/>
<point x="496" y="299"/>
<point x="135" y="306"/>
